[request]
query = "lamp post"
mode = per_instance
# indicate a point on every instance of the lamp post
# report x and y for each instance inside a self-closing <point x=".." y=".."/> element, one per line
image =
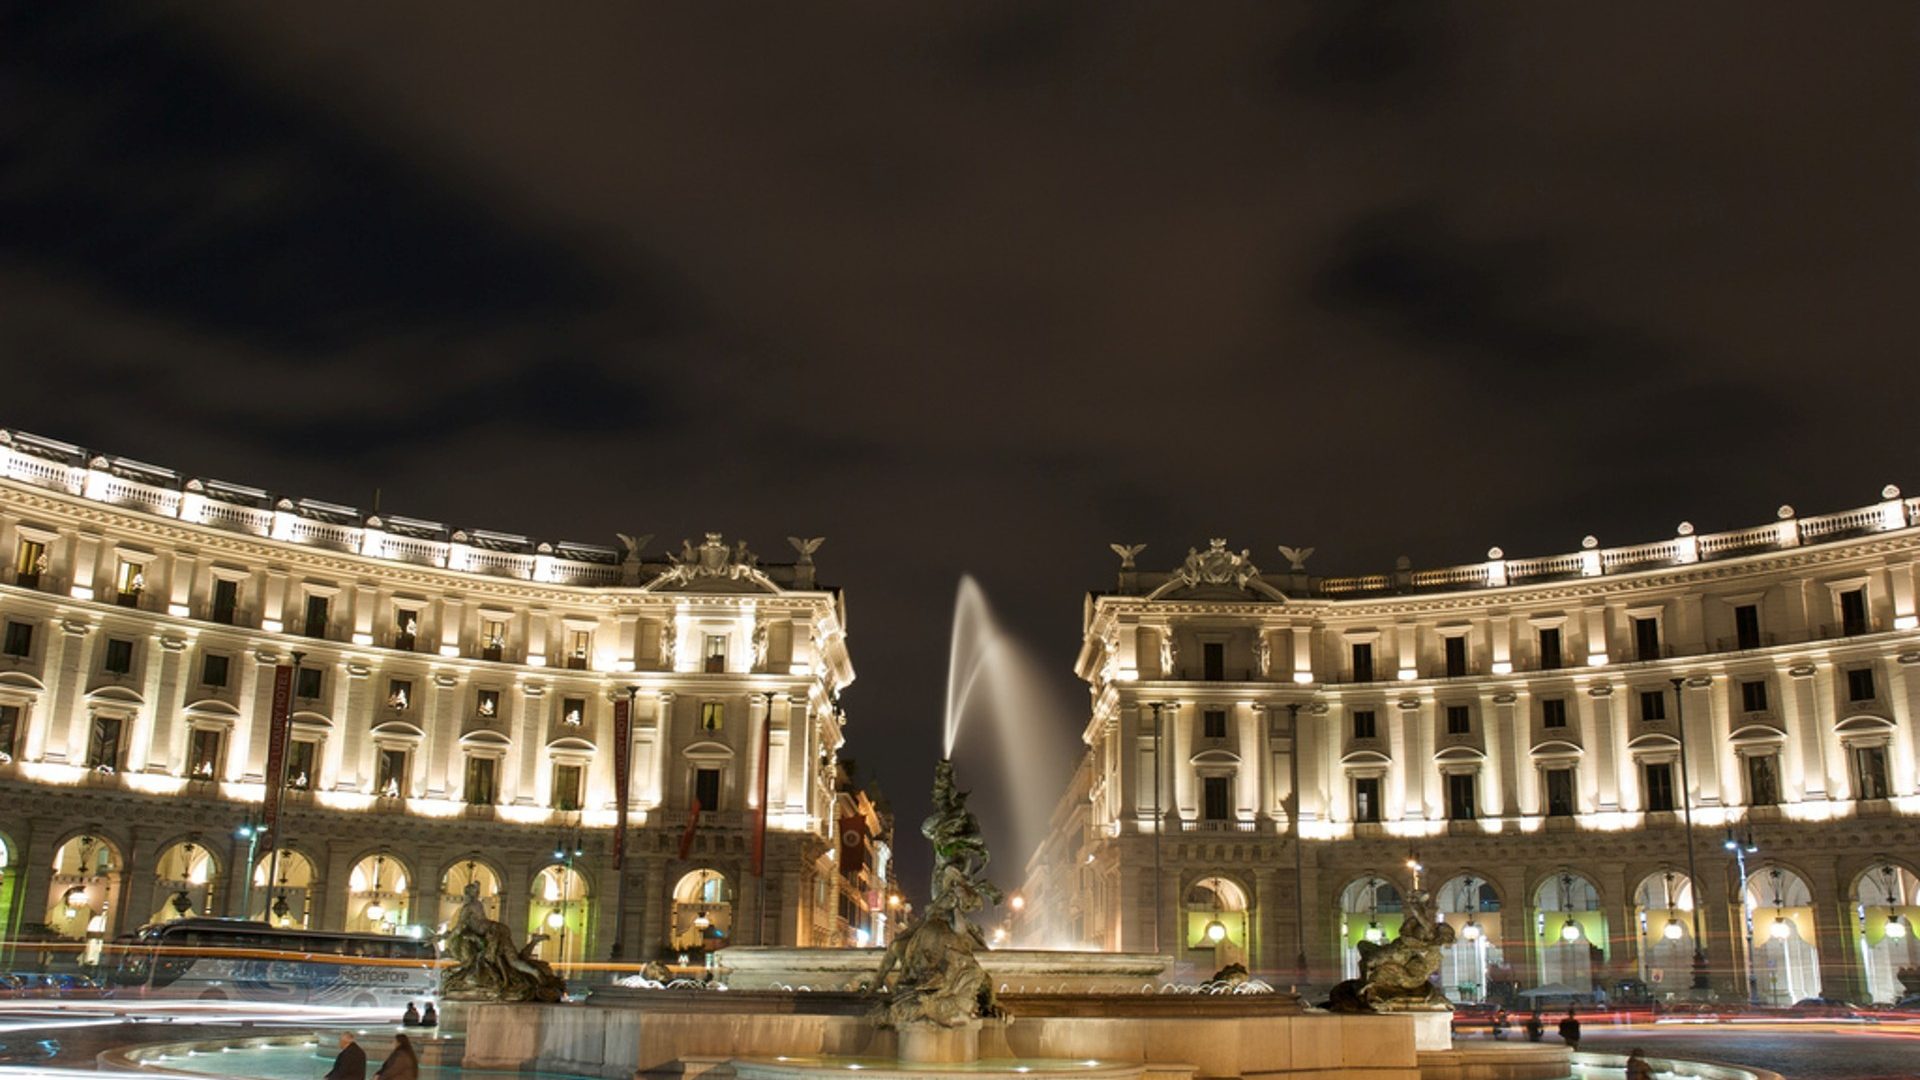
<point x="1741" y="849"/>
<point x="1686" y="806"/>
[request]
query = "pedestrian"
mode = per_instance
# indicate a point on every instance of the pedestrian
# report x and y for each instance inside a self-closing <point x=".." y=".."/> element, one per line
<point x="1500" y="1024"/>
<point x="1637" y="1067"/>
<point x="351" y="1064"/>
<point x="1536" y="1027"/>
<point x="430" y="1018"/>
<point x="402" y="1063"/>
<point x="410" y="1018"/>
<point x="1570" y="1030"/>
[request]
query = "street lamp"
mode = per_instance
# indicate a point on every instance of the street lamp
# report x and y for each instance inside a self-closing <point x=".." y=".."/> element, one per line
<point x="1216" y="931"/>
<point x="1686" y="806"/>
<point x="1741" y="849"/>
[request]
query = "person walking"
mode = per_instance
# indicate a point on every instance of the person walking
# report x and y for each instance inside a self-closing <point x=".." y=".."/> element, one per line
<point x="351" y="1063"/>
<point x="1637" y="1067"/>
<point x="1536" y="1027"/>
<point x="1570" y="1030"/>
<point x="402" y="1063"/>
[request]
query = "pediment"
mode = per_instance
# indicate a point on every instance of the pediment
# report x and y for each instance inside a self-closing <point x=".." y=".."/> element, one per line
<point x="1557" y="748"/>
<point x="570" y="744"/>
<point x="1215" y="757"/>
<point x="398" y="729"/>
<point x="118" y="695"/>
<point x="20" y="680"/>
<point x="1216" y="574"/>
<point x="1461" y="753"/>
<point x="1863" y="725"/>
<point x="213" y="707"/>
<point x="486" y="738"/>
<point x="1366" y="757"/>
<point x="1653" y="741"/>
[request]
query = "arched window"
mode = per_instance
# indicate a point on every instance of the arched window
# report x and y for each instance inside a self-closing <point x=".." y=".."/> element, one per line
<point x="1471" y="906"/>
<point x="1571" y="931"/>
<point x="1216" y="921"/>
<point x="702" y="918"/>
<point x="562" y="909"/>
<point x="86" y="887"/>
<point x="183" y="882"/>
<point x="1886" y="901"/>
<point x="283" y="889"/>
<point x="1663" y="920"/>
<point x="453" y="889"/>
<point x="377" y="895"/>
<point x="1369" y="911"/>
<point x="1786" y="963"/>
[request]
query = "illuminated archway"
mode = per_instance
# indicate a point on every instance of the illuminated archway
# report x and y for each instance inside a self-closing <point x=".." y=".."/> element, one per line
<point x="283" y="889"/>
<point x="1786" y="963"/>
<point x="1663" y="922"/>
<point x="1215" y="921"/>
<point x="1570" y="929"/>
<point x="562" y="909"/>
<point x="85" y="891"/>
<point x="377" y="895"/>
<point x="1469" y="904"/>
<point x="453" y="889"/>
<point x="702" y="916"/>
<point x="1369" y="911"/>
<point x="1886" y="905"/>
<point x="183" y="884"/>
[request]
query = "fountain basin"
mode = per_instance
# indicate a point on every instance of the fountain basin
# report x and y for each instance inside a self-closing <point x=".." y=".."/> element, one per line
<point x="1013" y="970"/>
<point x="890" y="1069"/>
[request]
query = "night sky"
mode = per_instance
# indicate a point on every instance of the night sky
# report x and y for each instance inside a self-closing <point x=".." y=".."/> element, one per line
<point x="978" y="287"/>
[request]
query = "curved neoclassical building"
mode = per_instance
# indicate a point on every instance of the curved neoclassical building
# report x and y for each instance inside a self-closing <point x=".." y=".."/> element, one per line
<point x="452" y="719"/>
<point x="1269" y="756"/>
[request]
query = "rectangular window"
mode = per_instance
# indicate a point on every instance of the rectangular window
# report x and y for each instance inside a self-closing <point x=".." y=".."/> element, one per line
<point x="493" y="638"/>
<point x="9" y="725"/>
<point x="1363" y="661"/>
<point x="1456" y="656"/>
<point x="1659" y="778"/>
<point x="406" y="628"/>
<point x="1363" y="724"/>
<point x="573" y="711"/>
<point x="308" y="682"/>
<point x="716" y="653"/>
<point x="317" y="616"/>
<point x="1213" y="661"/>
<point x="129" y="583"/>
<point x="1217" y="801"/>
<point x="29" y="562"/>
<point x="1853" y="612"/>
<point x="19" y="639"/>
<point x="1653" y="704"/>
<point x="482" y="786"/>
<point x="1870" y="766"/>
<point x="1549" y="648"/>
<point x="1366" y="799"/>
<point x="1860" y="684"/>
<point x="103" y="743"/>
<point x="203" y="754"/>
<point x="1460" y="800"/>
<point x="1763" y="780"/>
<point x="1646" y="639"/>
<point x="712" y="715"/>
<point x="226" y="600"/>
<point x="1746" y="626"/>
<point x="390" y="775"/>
<point x="1753" y="696"/>
<point x="486" y="704"/>
<point x="399" y="694"/>
<point x="301" y="755"/>
<point x="706" y="789"/>
<point x="1459" y="720"/>
<point x="1213" y="723"/>
<point x="579" y="649"/>
<point x="214" y="670"/>
<point x="566" y="787"/>
<point x="119" y="658"/>
<point x="1559" y="792"/>
<point x="1553" y="712"/>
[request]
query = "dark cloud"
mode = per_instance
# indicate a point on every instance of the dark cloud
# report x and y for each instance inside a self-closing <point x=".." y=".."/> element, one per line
<point x="977" y="287"/>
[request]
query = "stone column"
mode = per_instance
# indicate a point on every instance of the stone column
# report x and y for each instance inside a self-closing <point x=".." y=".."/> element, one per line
<point x="76" y="643"/>
<point x="1839" y="977"/>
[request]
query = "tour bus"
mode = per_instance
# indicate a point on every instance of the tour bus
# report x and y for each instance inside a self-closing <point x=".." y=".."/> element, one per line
<point x="242" y="960"/>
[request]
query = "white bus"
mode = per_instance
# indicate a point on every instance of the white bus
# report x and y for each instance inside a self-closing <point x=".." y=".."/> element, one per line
<point x="242" y="960"/>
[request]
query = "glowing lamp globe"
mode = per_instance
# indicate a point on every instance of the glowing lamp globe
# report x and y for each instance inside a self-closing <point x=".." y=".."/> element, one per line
<point x="701" y="921"/>
<point x="1471" y="931"/>
<point x="1376" y="935"/>
<point x="1216" y="931"/>
<point x="376" y="911"/>
<point x="1896" y="928"/>
<point x="1779" y="930"/>
<point x="555" y="920"/>
<point x="1570" y="932"/>
<point x="1672" y="930"/>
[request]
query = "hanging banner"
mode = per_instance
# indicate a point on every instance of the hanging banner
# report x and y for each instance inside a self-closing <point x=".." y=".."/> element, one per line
<point x="277" y="732"/>
<point x="693" y="826"/>
<point x="622" y="776"/>
<point x="760" y="816"/>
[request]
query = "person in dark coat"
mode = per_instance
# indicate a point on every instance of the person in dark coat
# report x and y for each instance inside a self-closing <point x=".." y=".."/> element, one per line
<point x="410" y="1018"/>
<point x="1570" y="1031"/>
<point x="1536" y="1028"/>
<point x="351" y="1064"/>
<point x="402" y="1063"/>
<point x="1638" y="1067"/>
<point x="430" y="1018"/>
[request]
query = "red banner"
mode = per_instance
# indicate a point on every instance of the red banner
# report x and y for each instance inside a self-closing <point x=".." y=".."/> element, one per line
<point x="277" y="731"/>
<point x="622" y="776"/>
<point x="760" y="817"/>
<point x="693" y="826"/>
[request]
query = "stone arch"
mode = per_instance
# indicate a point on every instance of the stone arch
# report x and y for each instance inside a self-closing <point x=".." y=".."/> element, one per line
<point x="1570" y="927"/>
<point x="1663" y="920"/>
<point x="562" y="910"/>
<point x="87" y="887"/>
<point x="1884" y="903"/>
<point x="284" y="889"/>
<point x="1786" y="958"/>
<point x="479" y="870"/>
<point x="1470" y="903"/>
<point x="1216" y="909"/>
<point x="1370" y="908"/>
<point x="187" y="874"/>
<point x="379" y="893"/>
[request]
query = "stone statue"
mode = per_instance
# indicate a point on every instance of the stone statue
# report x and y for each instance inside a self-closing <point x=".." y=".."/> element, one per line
<point x="1296" y="557"/>
<point x="760" y="646"/>
<point x="1266" y="655"/>
<point x="485" y="965"/>
<point x="1169" y="653"/>
<point x="930" y="969"/>
<point x="806" y="546"/>
<point x="1127" y="553"/>
<point x="1398" y="976"/>
<point x="669" y="644"/>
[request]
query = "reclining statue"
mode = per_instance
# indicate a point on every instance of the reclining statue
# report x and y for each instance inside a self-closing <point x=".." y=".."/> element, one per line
<point x="1399" y="974"/>
<point x="486" y="966"/>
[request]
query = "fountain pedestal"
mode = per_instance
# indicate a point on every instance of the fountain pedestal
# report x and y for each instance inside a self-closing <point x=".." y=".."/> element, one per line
<point x="935" y="1044"/>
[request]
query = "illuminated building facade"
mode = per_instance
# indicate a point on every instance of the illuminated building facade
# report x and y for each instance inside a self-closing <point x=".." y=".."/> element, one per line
<point x="1270" y="754"/>
<point x="453" y="719"/>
